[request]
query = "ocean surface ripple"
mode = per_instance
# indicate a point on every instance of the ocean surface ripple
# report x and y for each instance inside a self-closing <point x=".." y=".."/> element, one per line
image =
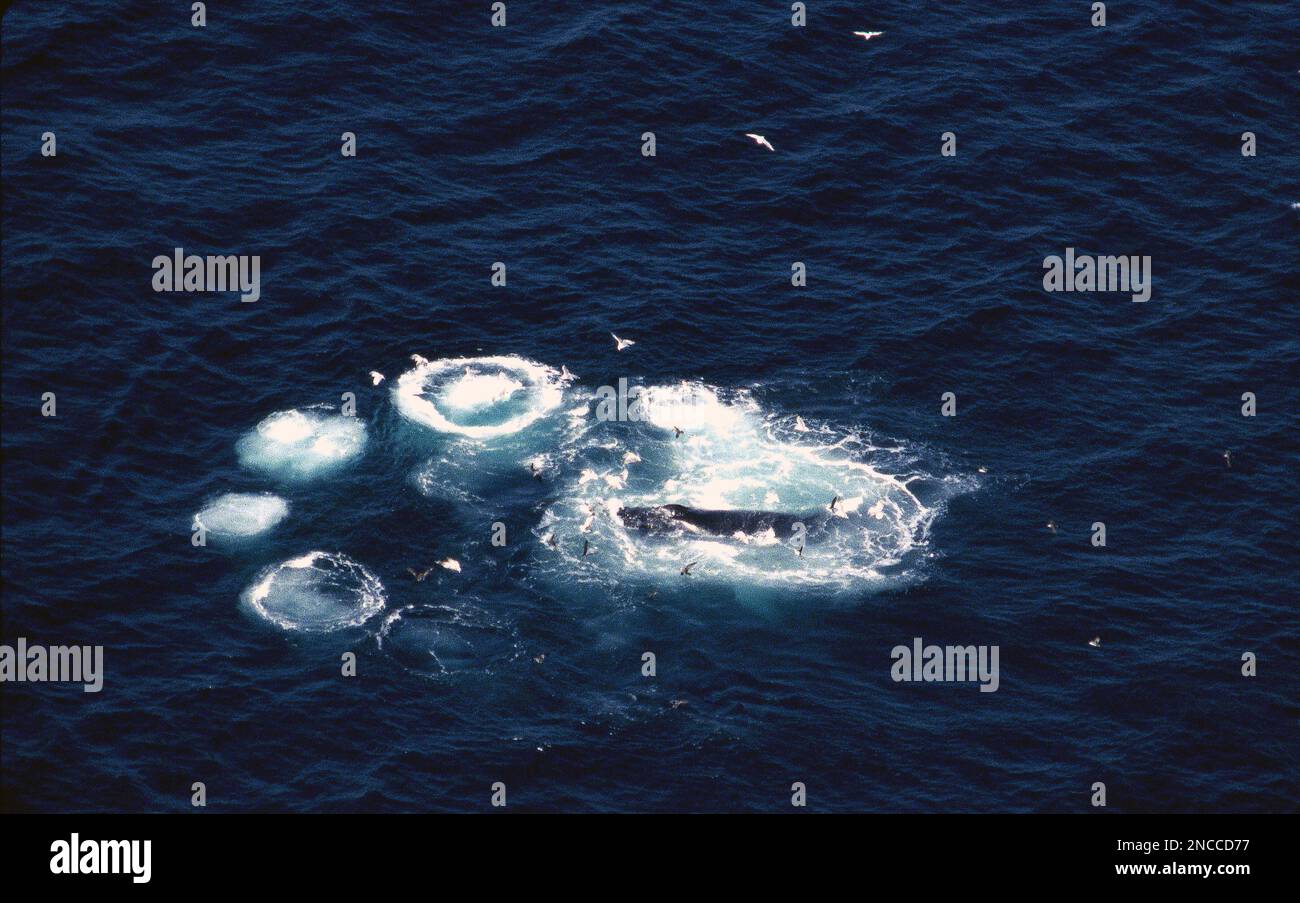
<point x="522" y="145"/>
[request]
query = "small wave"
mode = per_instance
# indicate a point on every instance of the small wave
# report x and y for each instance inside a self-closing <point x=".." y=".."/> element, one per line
<point x="316" y="592"/>
<point x="299" y="445"/>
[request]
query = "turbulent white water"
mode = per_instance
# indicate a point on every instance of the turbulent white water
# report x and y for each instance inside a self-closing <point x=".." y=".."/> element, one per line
<point x="731" y="455"/>
<point x="297" y="445"/>
<point x="490" y="417"/>
<point x="478" y="397"/>
<point x="316" y="592"/>
<point x="502" y="419"/>
<point x="238" y="514"/>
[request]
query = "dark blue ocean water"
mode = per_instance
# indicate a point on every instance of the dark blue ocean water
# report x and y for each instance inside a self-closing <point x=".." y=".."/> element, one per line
<point x="523" y="144"/>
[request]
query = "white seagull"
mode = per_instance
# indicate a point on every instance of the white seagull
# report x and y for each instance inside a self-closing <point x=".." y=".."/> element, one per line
<point x="760" y="141"/>
<point x="450" y="564"/>
<point x="376" y="377"/>
<point x="868" y="35"/>
<point x="622" y="343"/>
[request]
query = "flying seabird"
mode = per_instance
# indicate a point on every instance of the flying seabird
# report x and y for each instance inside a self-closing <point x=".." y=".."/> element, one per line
<point x="760" y="141"/>
<point x="565" y="374"/>
<point x="620" y="344"/>
<point x="376" y="377"/>
<point x="540" y="658"/>
<point x="677" y="433"/>
<point x="553" y="541"/>
<point x="1227" y="456"/>
<point x="450" y="564"/>
<point x="419" y="577"/>
<point x="868" y="35"/>
<point x="834" y="502"/>
<point x="586" y="547"/>
<point x="799" y="551"/>
<point x="533" y="469"/>
<point x="1051" y="525"/>
<point x="1095" y="642"/>
<point x="686" y="571"/>
<point x="677" y="703"/>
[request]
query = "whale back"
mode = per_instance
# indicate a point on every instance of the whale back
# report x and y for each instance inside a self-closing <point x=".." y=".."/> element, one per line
<point x="719" y="522"/>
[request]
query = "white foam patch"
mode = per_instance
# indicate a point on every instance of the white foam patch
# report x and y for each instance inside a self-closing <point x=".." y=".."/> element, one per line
<point x="316" y="592"/>
<point x="242" y="514"/>
<point x="478" y="390"/>
<point x="301" y="444"/>
<point x="478" y="397"/>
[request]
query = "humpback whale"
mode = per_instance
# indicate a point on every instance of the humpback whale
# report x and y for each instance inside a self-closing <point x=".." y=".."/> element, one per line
<point x="666" y="518"/>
